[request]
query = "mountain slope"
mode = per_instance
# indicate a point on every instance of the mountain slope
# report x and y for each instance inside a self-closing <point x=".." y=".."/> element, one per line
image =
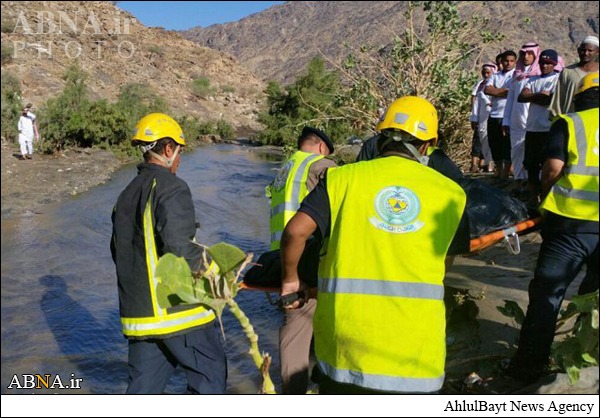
<point x="114" y="49"/>
<point x="278" y="42"/>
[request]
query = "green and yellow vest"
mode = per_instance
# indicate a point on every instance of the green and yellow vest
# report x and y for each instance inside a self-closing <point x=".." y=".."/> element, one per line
<point x="575" y="194"/>
<point x="380" y="320"/>
<point x="288" y="190"/>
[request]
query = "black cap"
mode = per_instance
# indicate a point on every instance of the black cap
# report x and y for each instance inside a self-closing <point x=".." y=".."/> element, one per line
<point x="306" y="131"/>
<point x="549" y="55"/>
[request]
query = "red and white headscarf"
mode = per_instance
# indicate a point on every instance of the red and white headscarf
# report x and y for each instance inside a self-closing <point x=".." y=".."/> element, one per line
<point x="560" y="66"/>
<point x="534" y="69"/>
<point x="490" y="65"/>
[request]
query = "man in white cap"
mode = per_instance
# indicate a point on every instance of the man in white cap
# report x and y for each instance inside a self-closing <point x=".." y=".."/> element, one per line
<point x="570" y="77"/>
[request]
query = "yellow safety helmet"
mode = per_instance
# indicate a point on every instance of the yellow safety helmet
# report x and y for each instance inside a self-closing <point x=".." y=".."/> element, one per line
<point x="587" y="82"/>
<point x="157" y="126"/>
<point x="413" y="115"/>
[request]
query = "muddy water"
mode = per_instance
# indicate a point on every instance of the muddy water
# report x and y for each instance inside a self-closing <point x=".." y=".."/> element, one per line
<point x="59" y="294"/>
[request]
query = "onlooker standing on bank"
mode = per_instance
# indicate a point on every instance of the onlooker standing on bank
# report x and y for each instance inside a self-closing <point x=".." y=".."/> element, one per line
<point x="515" y="113"/>
<point x="27" y="132"/>
<point x="568" y="82"/>
<point x="538" y="91"/>
<point x="480" y="111"/>
<point x="497" y="87"/>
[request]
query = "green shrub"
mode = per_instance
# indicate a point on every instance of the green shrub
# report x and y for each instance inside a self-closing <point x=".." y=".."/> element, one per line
<point x="227" y="89"/>
<point x="192" y="128"/>
<point x="155" y="49"/>
<point x="62" y="118"/>
<point x="7" y="26"/>
<point x="6" y="54"/>
<point x="580" y="347"/>
<point x="137" y="100"/>
<point x="104" y="124"/>
<point x="11" y="105"/>
<point x="577" y="329"/>
<point x="225" y="130"/>
<point x="201" y="87"/>
<point x="71" y="119"/>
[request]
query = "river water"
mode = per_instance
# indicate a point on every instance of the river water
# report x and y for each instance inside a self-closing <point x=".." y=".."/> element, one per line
<point x="59" y="293"/>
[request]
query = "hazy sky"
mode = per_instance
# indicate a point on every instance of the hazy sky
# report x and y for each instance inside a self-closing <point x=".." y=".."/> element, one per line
<point x="179" y="15"/>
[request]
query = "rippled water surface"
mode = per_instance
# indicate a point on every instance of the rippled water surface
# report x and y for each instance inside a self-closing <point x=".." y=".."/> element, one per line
<point x="59" y="293"/>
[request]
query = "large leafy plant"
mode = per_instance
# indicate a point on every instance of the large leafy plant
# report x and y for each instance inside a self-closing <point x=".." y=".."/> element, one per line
<point x="215" y="285"/>
<point x="577" y="325"/>
<point x="580" y="347"/>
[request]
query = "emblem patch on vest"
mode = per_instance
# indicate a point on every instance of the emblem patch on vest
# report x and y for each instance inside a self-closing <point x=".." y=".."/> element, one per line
<point x="282" y="175"/>
<point x="397" y="211"/>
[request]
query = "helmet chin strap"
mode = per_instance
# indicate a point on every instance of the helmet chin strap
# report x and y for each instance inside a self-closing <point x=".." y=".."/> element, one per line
<point x="423" y="159"/>
<point x="168" y="161"/>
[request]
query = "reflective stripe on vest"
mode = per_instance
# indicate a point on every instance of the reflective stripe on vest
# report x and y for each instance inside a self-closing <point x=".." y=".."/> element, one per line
<point x="151" y="255"/>
<point x="161" y="323"/>
<point x="139" y="327"/>
<point x="286" y="198"/>
<point x="380" y="320"/>
<point x="382" y="382"/>
<point x="382" y="288"/>
<point x="575" y="194"/>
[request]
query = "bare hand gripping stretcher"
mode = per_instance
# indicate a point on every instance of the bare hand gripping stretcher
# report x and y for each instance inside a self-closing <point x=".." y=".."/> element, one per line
<point x="266" y="274"/>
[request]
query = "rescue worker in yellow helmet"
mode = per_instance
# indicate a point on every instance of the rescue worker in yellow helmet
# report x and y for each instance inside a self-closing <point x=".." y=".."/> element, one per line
<point x="570" y="228"/>
<point x="424" y="149"/>
<point x="435" y="157"/>
<point x="155" y="215"/>
<point x="380" y="322"/>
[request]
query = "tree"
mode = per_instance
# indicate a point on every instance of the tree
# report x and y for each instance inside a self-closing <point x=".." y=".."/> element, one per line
<point x="63" y="118"/>
<point x="136" y="100"/>
<point x="105" y="125"/>
<point x="311" y="100"/>
<point x="72" y="119"/>
<point x="435" y="57"/>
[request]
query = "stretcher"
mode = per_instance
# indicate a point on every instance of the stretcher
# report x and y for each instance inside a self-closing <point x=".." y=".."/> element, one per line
<point x="509" y="235"/>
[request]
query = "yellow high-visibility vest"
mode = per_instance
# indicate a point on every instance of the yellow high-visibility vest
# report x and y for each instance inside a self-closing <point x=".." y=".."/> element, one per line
<point x="380" y="320"/>
<point x="288" y="190"/>
<point x="575" y="194"/>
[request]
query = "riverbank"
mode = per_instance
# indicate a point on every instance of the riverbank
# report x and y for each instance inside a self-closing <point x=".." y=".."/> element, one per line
<point x="29" y="185"/>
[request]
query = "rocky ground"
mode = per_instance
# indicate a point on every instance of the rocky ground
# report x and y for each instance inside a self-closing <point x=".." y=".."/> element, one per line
<point x="30" y="184"/>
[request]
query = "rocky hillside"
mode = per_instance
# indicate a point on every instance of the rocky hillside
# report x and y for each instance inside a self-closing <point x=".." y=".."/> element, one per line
<point x="41" y="39"/>
<point x="278" y="43"/>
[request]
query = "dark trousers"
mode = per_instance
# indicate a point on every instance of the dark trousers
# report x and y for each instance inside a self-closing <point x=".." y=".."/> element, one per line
<point x="476" y="146"/>
<point x="561" y="258"/>
<point x="535" y="143"/>
<point x="199" y="352"/>
<point x="499" y="144"/>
